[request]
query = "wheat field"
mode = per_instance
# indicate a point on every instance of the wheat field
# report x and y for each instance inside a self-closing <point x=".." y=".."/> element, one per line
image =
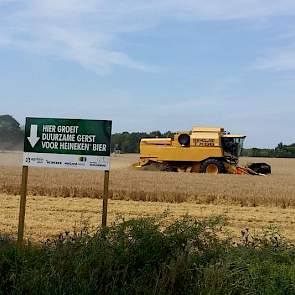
<point x="127" y="183"/>
<point x="58" y="199"/>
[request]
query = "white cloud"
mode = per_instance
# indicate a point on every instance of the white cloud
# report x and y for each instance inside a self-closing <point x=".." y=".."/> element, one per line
<point x="282" y="60"/>
<point x="85" y="31"/>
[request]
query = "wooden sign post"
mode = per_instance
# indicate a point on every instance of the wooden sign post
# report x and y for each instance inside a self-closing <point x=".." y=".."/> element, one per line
<point x="65" y="143"/>
<point x="22" y="205"/>
<point x="105" y="198"/>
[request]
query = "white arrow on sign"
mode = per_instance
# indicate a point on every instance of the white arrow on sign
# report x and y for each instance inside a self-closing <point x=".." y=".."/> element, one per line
<point x="33" y="138"/>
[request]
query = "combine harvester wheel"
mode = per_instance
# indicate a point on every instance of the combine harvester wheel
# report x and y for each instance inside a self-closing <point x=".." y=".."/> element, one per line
<point x="212" y="166"/>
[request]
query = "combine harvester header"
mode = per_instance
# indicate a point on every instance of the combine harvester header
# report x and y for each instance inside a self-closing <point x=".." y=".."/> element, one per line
<point x="203" y="150"/>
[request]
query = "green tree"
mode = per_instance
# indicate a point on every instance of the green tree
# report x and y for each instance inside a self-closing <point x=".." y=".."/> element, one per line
<point x="11" y="135"/>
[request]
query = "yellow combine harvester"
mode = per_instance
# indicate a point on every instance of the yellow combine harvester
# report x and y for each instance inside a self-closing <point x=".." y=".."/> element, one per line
<point x="204" y="149"/>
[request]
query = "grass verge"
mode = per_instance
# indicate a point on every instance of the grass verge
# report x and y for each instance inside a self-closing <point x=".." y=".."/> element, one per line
<point x="149" y="256"/>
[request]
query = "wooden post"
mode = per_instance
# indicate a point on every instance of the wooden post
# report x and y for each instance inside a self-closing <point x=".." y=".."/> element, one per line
<point x="22" y="206"/>
<point x="105" y="198"/>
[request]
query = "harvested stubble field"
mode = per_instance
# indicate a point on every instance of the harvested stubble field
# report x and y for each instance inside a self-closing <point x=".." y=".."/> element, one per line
<point x="67" y="195"/>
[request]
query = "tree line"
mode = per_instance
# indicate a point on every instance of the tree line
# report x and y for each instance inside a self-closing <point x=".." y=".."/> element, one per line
<point x="12" y="137"/>
<point x="127" y="142"/>
<point x="281" y="151"/>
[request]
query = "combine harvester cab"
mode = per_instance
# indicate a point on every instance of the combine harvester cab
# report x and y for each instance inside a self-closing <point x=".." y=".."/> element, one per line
<point x="203" y="150"/>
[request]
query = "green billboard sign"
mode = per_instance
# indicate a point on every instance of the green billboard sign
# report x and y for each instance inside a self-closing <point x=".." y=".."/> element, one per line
<point x="67" y="143"/>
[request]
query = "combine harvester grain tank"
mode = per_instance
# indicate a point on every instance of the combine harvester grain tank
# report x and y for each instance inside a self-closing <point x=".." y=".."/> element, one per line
<point x="202" y="150"/>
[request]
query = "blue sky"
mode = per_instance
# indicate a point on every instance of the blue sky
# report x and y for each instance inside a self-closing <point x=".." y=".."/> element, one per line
<point x="153" y="65"/>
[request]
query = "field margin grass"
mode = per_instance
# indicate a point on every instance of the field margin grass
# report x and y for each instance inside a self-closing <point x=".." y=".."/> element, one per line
<point x="149" y="256"/>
